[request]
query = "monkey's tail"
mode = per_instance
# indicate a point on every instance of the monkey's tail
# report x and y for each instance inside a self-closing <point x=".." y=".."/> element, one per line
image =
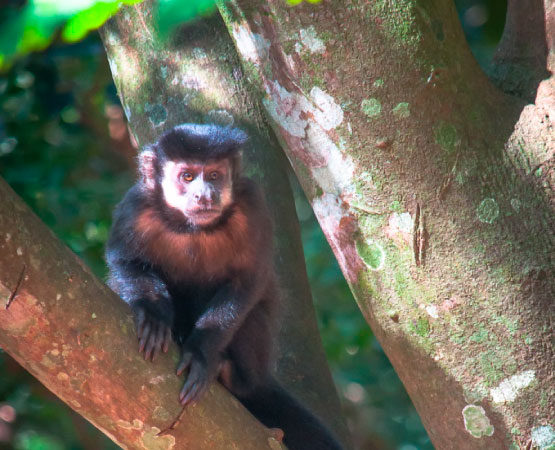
<point x="276" y="408"/>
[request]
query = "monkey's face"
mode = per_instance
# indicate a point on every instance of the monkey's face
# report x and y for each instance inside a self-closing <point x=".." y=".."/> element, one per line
<point x="201" y="190"/>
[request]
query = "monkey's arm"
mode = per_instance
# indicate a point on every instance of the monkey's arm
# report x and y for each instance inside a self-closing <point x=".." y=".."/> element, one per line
<point x="135" y="281"/>
<point x="150" y="301"/>
<point x="213" y="331"/>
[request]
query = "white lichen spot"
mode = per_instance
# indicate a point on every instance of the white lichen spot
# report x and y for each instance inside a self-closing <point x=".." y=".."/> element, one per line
<point x="58" y="296"/>
<point x="476" y="422"/>
<point x="8" y="237"/>
<point x="543" y="437"/>
<point x="432" y="311"/>
<point x="327" y="112"/>
<point x="75" y="403"/>
<point x="157" y="379"/>
<point x="487" y="211"/>
<point x="199" y="53"/>
<point x="19" y="251"/>
<point x="508" y="389"/>
<point x="55" y="352"/>
<point x="402" y="222"/>
<point x="136" y="425"/>
<point x="164" y="71"/>
<point x="337" y="173"/>
<point x="291" y="110"/>
<point x="62" y="376"/>
<point x="93" y="315"/>
<point x="286" y="109"/>
<point x="253" y="47"/>
<point x="399" y="227"/>
<point x="349" y="128"/>
<point x="515" y="203"/>
<point x="310" y="41"/>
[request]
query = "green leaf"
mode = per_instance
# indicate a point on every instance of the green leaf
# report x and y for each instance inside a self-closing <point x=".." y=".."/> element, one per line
<point x="92" y="18"/>
<point x="174" y="12"/>
<point x="33" y="27"/>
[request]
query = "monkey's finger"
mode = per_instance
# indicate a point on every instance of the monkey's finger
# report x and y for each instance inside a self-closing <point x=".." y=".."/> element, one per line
<point x="144" y="336"/>
<point x="167" y="339"/>
<point x="150" y="346"/>
<point x="159" y="340"/>
<point x="185" y="362"/>
<point x="194" y="382"/>
<point x="140" y="318"/>
<point x="195" y="391"/>
<point x="184" y="393"/>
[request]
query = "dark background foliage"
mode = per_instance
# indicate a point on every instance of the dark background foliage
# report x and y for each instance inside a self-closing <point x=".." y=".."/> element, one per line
<point x="65" y="149"/>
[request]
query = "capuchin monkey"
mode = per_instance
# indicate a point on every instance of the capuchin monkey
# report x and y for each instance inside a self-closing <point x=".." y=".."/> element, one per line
<point x="190" y="250"/>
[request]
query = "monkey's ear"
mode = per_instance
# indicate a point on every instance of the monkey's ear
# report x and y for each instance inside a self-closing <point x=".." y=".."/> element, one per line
<point x="147" y="167"/>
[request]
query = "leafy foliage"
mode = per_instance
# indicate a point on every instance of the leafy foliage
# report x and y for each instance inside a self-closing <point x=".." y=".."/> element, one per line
<point x="34" y="25"/>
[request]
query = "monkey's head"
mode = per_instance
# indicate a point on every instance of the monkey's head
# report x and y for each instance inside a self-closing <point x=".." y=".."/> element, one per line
<point x="192" y="169"/>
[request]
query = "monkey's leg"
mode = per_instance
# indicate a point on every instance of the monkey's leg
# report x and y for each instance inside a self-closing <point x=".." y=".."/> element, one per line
<point x="249" y="379"/>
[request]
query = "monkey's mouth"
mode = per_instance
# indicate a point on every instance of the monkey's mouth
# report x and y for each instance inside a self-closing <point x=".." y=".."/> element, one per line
<point x="204" y="215"/>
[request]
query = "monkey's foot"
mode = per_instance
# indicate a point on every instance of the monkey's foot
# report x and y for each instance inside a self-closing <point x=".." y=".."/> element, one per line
<point x="276" y="433"/>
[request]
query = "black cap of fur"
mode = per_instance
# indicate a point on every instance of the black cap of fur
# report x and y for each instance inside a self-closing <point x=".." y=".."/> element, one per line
<point x="202" y="142"/>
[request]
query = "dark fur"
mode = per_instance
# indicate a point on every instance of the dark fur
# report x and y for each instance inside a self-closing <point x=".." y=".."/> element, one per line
<point x="214" y="286"/>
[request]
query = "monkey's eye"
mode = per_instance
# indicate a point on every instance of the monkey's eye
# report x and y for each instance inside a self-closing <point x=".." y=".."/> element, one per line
<point x="214" y="175"/>
<point x="186" y="176"/>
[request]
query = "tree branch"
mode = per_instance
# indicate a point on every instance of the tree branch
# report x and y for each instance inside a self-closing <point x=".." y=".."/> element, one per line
<point x="521" y="59"/>
<point x="77" y="337"/>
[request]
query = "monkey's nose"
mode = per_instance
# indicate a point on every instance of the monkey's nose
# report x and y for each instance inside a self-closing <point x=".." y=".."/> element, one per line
<point x="204" y="201"/>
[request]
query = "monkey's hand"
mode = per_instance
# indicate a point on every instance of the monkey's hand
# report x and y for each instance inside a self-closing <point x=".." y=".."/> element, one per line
<point x="154" y="334"/>
<point x="203" y="370"/>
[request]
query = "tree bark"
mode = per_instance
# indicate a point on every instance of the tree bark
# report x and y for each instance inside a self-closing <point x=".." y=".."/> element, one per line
<point x="435" y="191"/>
<point x="76" y="337"/>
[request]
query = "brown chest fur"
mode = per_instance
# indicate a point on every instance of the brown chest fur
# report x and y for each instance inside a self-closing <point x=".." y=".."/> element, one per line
<point x="198" y="256"/>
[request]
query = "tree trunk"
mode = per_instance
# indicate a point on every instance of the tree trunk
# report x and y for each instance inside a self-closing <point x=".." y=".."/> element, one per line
<point x="434" y="189"/>
<point x="66" y="327"/>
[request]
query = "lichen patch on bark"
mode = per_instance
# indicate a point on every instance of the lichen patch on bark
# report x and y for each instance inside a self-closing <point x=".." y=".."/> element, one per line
<point x="476" y="422"/>
<point x="509" y="389"/>
<point x="252" y="46"/>
<point x="340" y="228"/>
<point x="544" y="437"/>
